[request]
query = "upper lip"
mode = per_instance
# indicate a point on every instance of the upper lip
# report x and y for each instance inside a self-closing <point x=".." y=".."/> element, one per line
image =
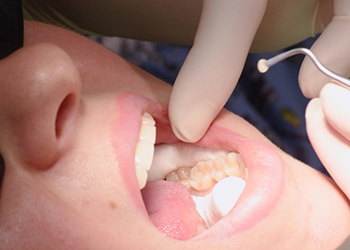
<point x="265" y="181"/>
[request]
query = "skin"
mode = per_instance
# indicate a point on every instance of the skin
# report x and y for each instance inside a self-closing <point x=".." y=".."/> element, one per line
<point x="62" y="186"/>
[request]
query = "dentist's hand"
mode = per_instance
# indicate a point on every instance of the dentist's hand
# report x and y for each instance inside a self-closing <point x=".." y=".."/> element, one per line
<point x="214" y="64"/>
<point x="331" y="48"/>
<point x="328" y="127"/>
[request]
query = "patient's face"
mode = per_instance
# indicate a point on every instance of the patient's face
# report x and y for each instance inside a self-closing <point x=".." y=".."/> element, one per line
<point x="70" y="121"/>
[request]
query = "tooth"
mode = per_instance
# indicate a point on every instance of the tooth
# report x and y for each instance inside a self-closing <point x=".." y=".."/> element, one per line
<point x="232" y="168"/>
<point x="218" y="175"/>
<point x="141" y="176"/>
<point x="144" y="155"/>
<point x="172" y="176"/>
<point x="145" y="148"/>
<point x="148" y="119"/>
<point x="243" y="167"/>
<point x="222" y="199"/>
<point x="219" y="163"/>
<point x="205" y="174"/>
<point x="218" y="171"/>
<point x="148" y="129"/>
<point x="183" y="173"/>
<point x="168" y="158"/>
<point x="201" y="176"/>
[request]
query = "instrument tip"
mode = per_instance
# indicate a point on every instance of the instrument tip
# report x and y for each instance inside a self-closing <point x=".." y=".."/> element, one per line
<point x="262" y="67"/>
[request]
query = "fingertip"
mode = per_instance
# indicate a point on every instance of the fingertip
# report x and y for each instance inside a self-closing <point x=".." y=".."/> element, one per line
<point x="334" y="92"/>
<point x="191" y="115"/>
<point x="189" y="125"/>
<point x="187" y="131"/>
<point x="312" y="109"/>
<point x="335" y="100"/>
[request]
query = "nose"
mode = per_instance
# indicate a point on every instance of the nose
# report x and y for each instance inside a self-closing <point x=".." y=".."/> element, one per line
<point x="40" y="94"/>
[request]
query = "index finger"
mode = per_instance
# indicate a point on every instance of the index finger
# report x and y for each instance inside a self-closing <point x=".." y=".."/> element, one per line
<point x="213" y="65"/>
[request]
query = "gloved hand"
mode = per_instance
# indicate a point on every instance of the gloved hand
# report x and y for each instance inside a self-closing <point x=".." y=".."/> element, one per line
<point x="227" y="31"/>
<point x="328" y="127"/>
<point x="213" y="65"/>
<point x="332" y="49"/>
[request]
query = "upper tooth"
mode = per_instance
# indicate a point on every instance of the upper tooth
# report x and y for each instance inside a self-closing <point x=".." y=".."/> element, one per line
<point x="145" y="148"/>
<point x="148" y="119"/>
<point x="141" y="176"/>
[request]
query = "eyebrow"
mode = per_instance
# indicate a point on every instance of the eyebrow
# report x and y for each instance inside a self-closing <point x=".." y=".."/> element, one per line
<point x="11" y="27"/>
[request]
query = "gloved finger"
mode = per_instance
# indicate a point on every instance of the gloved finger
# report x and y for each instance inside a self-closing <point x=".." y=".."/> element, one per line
<point x="332" y="49"/>
<point x="331" y="147"/>
<point x="335" y="101"/>
<point x="214" y="64"/>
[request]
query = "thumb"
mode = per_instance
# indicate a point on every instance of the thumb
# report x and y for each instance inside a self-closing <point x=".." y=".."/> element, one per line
<point x="331" y="147"/>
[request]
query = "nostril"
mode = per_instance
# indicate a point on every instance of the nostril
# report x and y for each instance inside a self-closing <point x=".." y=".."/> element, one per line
<point x="64" y="114"/>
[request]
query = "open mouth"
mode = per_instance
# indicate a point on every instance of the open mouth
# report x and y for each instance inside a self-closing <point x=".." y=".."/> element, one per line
<point x="218" y="187"/>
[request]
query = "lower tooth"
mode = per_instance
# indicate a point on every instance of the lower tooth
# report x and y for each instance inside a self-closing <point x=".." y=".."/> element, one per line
<point x="183" y="173"/>
<point x="169" y="158"/>
<point x="218" y="175"/>
<point x="172" y="176"/>
<point x="203" y="176"/>
<point x="204" y="185"/>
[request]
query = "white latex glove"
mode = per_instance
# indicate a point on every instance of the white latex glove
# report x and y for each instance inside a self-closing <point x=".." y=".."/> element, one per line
<point x="328" y="127"/>
<point x="332" y="49"/>
<point x="214" y="64"/>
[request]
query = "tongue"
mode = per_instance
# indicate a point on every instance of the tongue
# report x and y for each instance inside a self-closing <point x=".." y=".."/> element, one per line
<point x="172" y="210"/>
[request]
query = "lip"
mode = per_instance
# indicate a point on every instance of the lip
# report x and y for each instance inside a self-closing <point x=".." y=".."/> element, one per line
<point x="265" y="181"/>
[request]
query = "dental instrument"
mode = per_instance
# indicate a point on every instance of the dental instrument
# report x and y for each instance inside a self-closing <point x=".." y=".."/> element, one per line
<point x="263" y="65"/>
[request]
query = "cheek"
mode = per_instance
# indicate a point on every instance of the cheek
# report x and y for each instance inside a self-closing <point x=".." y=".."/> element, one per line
<point x="31" y="215"/>
<point x="103" y="71"/>
<point x="40" y="216"/>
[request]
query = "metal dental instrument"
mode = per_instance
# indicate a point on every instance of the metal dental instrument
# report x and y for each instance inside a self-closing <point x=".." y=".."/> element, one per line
<point x="264" y="65"/>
